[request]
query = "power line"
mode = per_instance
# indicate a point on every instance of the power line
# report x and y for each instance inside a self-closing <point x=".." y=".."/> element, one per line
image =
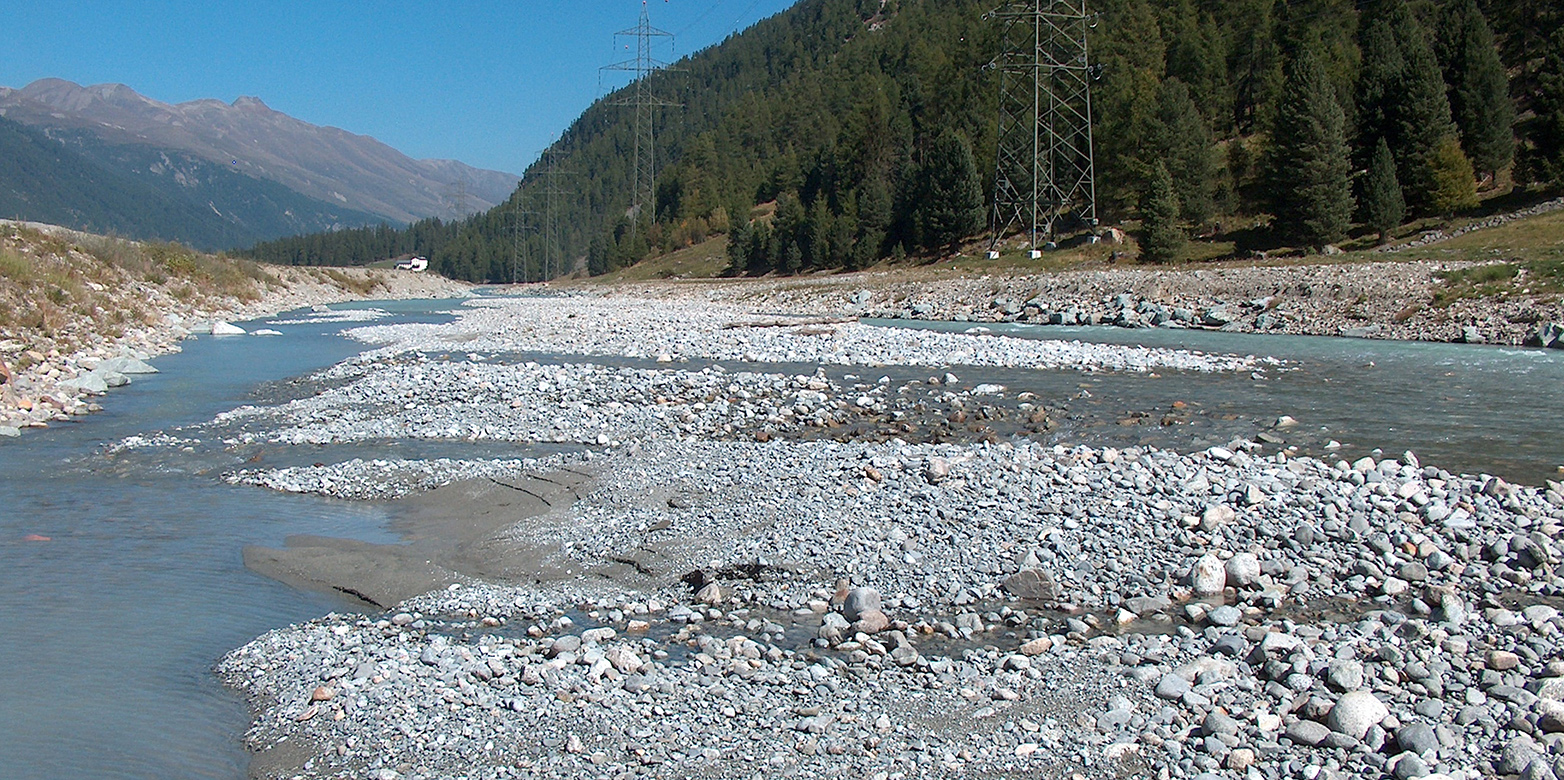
<point x="1045" y="174"/>
<point x="644" y="171"/>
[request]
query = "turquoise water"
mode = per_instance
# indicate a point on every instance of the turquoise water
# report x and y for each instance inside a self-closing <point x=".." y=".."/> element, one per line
<point x="1467" y="408"/>
<point x="111" y="627"/>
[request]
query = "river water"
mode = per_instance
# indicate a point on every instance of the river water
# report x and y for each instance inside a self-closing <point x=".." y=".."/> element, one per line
<point x="109" y="629"/>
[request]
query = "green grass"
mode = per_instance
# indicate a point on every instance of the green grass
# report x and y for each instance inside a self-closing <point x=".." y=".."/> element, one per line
<point x="706" y="260"/>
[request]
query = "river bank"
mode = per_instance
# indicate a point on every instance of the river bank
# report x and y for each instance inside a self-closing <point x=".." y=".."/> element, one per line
<point x="731" y="596"/>
<point x="84" y="313"/>
<point x="1381" y="299"/>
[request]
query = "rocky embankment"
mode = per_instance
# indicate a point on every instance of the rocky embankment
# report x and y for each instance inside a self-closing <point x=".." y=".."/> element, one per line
<point x="1388" y="300"/>
<point x="721" y="603"/>
<point x="85" y="313"/>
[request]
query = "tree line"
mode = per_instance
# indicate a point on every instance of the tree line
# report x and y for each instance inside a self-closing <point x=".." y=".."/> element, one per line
<point x="842" y="132"/>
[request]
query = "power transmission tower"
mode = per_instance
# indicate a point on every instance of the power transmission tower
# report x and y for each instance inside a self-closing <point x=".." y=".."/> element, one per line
<point x="644" y="196"/>
<point x="456" y="197"/>
<point x="520" y="225"/>
<point x="1045" y="178"/>
<point x="553" y="254"/>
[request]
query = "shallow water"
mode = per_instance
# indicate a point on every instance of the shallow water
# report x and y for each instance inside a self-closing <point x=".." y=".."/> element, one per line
<point x="111" y="627"/>
<point x="1466" y="408"/>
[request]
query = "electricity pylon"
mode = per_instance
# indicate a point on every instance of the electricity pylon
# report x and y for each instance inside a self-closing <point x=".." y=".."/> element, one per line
<point x="553" y="259"/>
<point x="1045" y="177"/>
<point x="644" y="196"/>
<point x="520" y="259"/>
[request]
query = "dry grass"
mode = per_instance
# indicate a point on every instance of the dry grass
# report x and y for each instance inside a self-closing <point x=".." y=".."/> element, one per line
<point x="63" y="293"/>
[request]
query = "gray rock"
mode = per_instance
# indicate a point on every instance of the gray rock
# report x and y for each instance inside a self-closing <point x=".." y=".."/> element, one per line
<point x="860" y="601"/>
<point x="1243" y="570"/>
<point x="1224" y="615"/>
<point x="1517" y="755"/>
<point x="1144" y="605"/>
<point x="1356" y="712"/>
<point x="1032" y="584"/>
<point x="1307" y="732"/>
<point x="1410" y="766"/>
<point x="1470" y="334"/>
<point x="1418" y="738"/>
<point x="88" y="383"/>
<point x="1344" y="675"/>
<point x="1548" y="334"/>
<point x="1216" y="724"/>
<point x="8" y="432"/>
<point x="1172" y="687"/>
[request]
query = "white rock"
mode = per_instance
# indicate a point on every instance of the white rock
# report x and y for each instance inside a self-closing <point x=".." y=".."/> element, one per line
<point x="221" y="328"/>
<point x="1209" y="576"/>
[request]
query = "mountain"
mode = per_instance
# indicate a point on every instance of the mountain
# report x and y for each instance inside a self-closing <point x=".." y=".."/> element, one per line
<point x="840" y="132"/>
<point x="144" y="193"/>
<point x="352" y="172"/>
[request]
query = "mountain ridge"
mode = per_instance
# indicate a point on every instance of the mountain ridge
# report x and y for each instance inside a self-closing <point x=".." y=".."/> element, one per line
<point x="325" y="163"/>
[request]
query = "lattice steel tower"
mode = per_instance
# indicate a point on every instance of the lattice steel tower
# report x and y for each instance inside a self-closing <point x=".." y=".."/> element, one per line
<point x="644" y="197"/>
<point x="1045" y="180"/>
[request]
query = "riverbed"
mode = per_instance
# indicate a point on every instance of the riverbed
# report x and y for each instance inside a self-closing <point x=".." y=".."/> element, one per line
<point x="125" y="567"/>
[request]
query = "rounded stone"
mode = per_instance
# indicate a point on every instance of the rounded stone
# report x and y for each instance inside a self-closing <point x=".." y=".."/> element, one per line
<point x="1355" y="713"/>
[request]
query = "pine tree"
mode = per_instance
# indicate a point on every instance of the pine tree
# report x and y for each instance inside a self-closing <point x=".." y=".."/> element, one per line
<point x="1479" y="89"/>
<point x="1379" y="82"/>
<point x="739" y="240"/>
<point x="1162" y="232"/>
<point x="1545" y="132"/>
<point x="1181" y="138"/>
<point x="952" y="207"/>
<point x="1310" y="165"/>
<point x="1421" y="111"/>
<point x="1454" y="188"/>
<point x="1384" y="207"/>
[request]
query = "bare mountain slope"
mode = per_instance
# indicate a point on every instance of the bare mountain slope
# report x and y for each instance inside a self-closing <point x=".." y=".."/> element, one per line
<point x="326" y="163"/>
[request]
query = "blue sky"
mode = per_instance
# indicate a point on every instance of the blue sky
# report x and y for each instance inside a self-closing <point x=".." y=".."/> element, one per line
<point x="487" y="82"/>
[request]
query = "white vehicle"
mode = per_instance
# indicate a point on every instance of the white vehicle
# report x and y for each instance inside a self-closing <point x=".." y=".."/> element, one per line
<point x="413" y="264"/>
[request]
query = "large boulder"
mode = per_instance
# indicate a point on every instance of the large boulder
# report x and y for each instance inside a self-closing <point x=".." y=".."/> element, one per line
<point x="1355" y="713"/>
<point x="1032" y="584"/>
<point x="221" y="328"/>
<point x="1548" y="334"/>
<point x="859" y="602"/>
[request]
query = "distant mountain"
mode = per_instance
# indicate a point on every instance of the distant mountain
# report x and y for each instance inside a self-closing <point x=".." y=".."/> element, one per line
<point x="144" y="193"/>
<point x="352" y="172"/>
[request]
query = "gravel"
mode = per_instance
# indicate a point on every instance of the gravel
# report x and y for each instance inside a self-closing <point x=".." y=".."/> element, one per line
<point x="856" y="609"/>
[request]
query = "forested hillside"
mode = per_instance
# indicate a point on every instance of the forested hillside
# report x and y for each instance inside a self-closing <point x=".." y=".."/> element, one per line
<point x="866" y="129"/>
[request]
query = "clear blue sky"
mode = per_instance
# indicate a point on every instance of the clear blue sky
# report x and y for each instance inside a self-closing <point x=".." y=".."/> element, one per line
<point x="487" y="82"/>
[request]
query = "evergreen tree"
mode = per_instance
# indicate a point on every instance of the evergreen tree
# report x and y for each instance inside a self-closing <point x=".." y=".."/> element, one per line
<point x="1379" y="84"/>
<point x="1384" y="207"/>
<point x="1181" y="138"/>
<point x="1479" y="89"/>
<point x="1454" y="188"/>
<point x="952" y="207"/>
<point x="1162" y="232"/>
<point x="1310" y="166"/>
<point x="1545" y="132"/>
<point x="1421" y="111"/>
<point x="739" y="240"/>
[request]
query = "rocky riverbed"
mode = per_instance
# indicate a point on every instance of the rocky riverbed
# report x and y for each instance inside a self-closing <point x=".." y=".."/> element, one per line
<point x="1383" y="299"/>
<point x="729" y="597"/>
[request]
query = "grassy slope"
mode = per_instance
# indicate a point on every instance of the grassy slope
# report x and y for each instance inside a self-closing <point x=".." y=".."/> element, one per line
<point x="59" y="295"/>
<point x="1534" y="243"/>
